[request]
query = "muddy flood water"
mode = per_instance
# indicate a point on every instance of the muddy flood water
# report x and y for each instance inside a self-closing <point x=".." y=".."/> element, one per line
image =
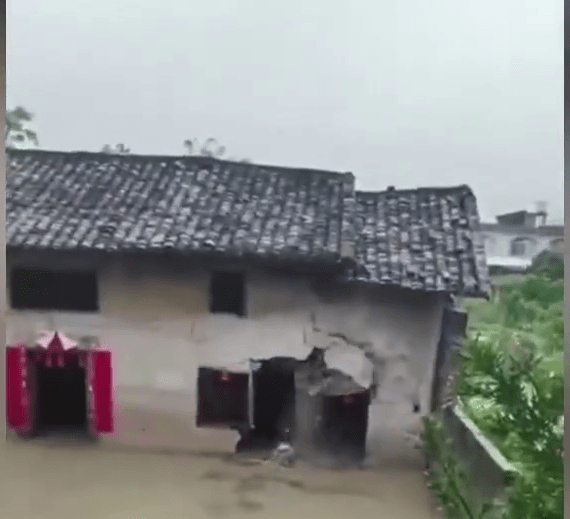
<point x="60" y="480"/>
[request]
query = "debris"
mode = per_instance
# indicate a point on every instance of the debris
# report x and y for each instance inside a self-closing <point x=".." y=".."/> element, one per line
<point x="284" y="454"/>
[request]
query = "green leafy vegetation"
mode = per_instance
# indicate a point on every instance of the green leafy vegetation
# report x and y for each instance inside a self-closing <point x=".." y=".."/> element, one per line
<point x="511" y="385"/>
<point x="548" y="264"/>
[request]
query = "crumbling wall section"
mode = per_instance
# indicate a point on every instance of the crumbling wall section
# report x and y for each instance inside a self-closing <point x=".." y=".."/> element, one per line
<point x="387" y="341"/>
<point x="308" y="404"/>
<point x="314" y="380"/>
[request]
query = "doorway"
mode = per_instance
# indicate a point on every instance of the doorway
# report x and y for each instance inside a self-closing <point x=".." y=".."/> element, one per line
<point x="274" y="399"/>
<point x="273" y="406"/>
<point x="46" y="389"/>
<point x="61" y="398"/>
<point x="227" y="399"/>
<point x="344" y="425"/>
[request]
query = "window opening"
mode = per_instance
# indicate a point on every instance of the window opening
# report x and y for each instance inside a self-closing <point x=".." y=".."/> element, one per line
<point x="34" y="289"/>
<point x="227" y="293"/>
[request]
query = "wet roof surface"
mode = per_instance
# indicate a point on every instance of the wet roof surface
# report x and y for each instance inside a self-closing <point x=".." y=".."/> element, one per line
<point x="423" y="239"/>
<point x="68" y="201"/>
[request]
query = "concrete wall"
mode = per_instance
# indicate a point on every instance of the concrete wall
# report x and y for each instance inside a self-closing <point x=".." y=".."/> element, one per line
<point x="489" y="473"/>
<point x="157" y="324"/>
<point x="498" y="244"/>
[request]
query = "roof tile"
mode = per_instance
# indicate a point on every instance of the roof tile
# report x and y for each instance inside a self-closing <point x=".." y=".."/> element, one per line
<point x="191" y="204"/>
<point x="424" y="239"/>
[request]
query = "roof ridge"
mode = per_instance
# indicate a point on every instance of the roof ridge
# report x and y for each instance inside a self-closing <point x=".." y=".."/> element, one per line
<point x="190" y="158"/>
<point x="438" y="189"/>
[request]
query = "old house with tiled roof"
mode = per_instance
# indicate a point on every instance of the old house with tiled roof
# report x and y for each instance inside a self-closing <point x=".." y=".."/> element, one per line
<point x="196" y="276"/>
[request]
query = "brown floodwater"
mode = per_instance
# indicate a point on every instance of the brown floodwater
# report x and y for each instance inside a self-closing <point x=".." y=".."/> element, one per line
<point x="59" y="480"/>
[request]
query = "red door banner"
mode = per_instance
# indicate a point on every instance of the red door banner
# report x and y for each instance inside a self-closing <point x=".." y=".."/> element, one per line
<point x="100" y="391"/>
<point x="17" y="397"/>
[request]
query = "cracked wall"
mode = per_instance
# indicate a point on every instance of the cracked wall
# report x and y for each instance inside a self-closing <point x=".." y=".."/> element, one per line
<point x="397" y="333"/>
<point x="156" y="323"/>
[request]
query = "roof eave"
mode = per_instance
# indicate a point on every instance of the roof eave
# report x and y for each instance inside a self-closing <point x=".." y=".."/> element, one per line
<point x="331" y="264"/>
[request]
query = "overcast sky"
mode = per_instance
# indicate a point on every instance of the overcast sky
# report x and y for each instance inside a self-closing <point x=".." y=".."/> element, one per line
<point x="400" y="92"/>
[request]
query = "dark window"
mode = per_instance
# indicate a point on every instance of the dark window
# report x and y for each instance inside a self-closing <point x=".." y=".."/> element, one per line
<point x="47" y="290"/>
<point x="519" y="247"/>
<point x="223" y="398"/>
<point x="227" y="293"/>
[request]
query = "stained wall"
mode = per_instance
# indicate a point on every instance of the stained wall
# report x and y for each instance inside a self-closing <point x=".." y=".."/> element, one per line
<point x="157" y="324"/>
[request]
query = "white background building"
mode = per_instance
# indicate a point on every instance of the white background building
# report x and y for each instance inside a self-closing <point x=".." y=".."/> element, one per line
<point x="516" y="238"/>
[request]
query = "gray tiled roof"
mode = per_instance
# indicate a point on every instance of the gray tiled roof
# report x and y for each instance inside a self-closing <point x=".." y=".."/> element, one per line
<point x="71" y="201"/>
<point x="422" y="239"/>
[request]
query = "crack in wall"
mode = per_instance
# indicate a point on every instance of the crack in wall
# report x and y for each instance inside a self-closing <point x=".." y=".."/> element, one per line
<point x="379" y="361"/>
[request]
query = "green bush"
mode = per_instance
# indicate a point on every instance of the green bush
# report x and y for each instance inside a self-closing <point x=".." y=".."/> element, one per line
<point x="534" y="299"/>
<point x="548" y="264"/>
<point x="518" y="402"/>
<point x="511" y="384"/>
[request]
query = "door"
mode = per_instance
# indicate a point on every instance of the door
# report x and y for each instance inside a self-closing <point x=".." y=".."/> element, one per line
<point x="17" y="391"/>
<point x="32" y="384"/>
<point x="274" y="396"/>
<point x="344" y="424"/>
<point x="99" y="392"/>
<point x="223" y="398"/>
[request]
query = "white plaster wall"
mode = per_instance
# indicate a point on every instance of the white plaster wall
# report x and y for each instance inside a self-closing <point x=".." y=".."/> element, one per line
<point x="498" y="244"/>
<point x="159" y="329"/>
<point x="403" y="330"/>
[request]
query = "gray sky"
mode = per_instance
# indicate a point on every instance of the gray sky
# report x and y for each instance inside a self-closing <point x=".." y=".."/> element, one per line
<point x="400" y="92"/>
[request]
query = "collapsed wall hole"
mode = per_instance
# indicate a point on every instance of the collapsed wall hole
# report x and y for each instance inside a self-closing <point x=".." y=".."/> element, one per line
<point x="61" y="397"/>
<point x="337" y="422"/>
<point x="344" y="424"/>
<point x="317" y="409"/>
<point x="340" y="408"/>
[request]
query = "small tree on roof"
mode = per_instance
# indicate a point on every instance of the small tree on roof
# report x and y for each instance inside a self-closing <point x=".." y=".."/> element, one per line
<point x="16" y="130"/>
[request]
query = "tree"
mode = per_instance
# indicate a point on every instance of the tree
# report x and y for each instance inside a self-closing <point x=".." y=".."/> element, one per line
<point x="549" y="264"/>
<point x="210" y="148"/>
<point x="118" y="149"/>
<point x="17" y="131"/>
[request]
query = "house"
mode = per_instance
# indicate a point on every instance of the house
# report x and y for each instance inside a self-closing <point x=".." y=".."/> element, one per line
<point x="517" y="238"/>
<point x="226" y="295"/>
